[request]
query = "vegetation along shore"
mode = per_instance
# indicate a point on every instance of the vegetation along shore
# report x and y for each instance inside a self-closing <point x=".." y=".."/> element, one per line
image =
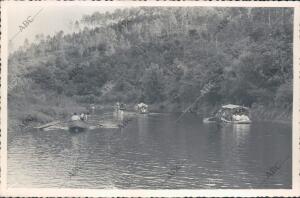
<point x="163" y="57"/>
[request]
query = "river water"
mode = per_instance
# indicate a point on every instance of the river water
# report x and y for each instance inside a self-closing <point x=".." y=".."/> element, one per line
<point x="154" y="152"/>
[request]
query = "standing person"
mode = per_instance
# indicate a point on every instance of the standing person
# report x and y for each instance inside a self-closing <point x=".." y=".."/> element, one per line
<point x="117" y="106"/>
<point x="93" y="108"/>
<point x="86" y="116"/>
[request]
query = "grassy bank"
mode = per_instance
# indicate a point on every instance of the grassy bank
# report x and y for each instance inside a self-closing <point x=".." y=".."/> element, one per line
<point x="32" y="108"/>
<point x="261" y="113"/>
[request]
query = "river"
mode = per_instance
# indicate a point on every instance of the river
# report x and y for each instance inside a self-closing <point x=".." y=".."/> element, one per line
<point x="154" y="152"/>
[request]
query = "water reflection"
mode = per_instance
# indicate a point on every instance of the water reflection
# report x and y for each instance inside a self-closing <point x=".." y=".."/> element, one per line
<point x="142" y="128"/>
<point x="240" y="133"/>
<point x="118" y="115"/>
<point x="147" y="150"/>
<point x="241" y="129"/>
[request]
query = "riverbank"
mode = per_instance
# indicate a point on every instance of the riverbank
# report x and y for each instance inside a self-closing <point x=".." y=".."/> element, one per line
<point x="26" y="112"/>
<point x="258" y="112"/>
<point x="261" y="113"/>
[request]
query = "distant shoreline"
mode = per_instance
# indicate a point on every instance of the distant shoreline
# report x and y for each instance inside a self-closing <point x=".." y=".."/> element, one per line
<point x="257" y="114"/>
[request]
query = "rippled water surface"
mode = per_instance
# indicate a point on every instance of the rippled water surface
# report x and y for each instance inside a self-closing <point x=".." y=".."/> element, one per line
<point x="154" y="152"/>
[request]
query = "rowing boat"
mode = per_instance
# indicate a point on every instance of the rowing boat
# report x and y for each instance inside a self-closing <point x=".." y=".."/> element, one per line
<point x="78" y="126"/>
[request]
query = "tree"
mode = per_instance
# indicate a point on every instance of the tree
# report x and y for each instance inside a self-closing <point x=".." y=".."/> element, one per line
<point x="153" y="84"/>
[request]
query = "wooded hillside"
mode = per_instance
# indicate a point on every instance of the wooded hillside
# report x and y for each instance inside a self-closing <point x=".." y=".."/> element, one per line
<point x="164" y="56"/>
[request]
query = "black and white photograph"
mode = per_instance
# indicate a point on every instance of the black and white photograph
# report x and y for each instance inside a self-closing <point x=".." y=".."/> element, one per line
<point x="146" y="97"/>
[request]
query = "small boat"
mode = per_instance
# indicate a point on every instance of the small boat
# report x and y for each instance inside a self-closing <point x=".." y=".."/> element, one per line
<point x="234" y="114"/>
<point x="47" y="125"/>
<point x="248" y="121"/>
<point x="78" y="126"/>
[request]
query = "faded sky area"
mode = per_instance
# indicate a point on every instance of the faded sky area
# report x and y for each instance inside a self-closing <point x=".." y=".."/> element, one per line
<point x="50" y="19"/>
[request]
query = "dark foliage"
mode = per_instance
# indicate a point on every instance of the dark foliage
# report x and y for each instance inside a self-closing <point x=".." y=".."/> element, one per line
<point x="167" y="55"/>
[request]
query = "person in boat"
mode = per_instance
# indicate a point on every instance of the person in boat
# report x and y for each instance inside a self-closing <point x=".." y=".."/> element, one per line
<point x="236" y="117"/>
<point x="244" y="117"/>
<point x="92" y="108"/>
<point x="117" y="106"/>
<point x="82" y="116"/>
<point x="240" y="116"/>
<point x="86" y="116"/>
<point x="142" y="107"/>
<point x="122" y="106"/>
<point x="75" y="117"/>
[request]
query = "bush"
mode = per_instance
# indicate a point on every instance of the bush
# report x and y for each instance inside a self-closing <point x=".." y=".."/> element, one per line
<point x="284" y="95"/>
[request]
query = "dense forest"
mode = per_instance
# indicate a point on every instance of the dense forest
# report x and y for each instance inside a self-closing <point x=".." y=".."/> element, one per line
<point x="161" y="56"/>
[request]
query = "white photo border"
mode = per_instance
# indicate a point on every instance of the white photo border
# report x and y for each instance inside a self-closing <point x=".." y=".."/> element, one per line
<point x="41" y="192"/>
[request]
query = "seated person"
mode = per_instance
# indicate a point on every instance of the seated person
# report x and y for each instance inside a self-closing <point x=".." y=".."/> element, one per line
<point x="75" y="117"/>
<point x="86" y="116"/>
<point x="244" y="118"/>
<point x="82" y="116"/>
<point x="236" y="117"/>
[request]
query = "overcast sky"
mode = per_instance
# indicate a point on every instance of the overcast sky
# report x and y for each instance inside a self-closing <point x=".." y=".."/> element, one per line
<point x="50" y="19"/>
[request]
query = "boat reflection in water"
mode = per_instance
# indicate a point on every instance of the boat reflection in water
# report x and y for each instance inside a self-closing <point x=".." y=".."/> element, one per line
<point x="240" y="132"/>
<point x="241" y="128"/>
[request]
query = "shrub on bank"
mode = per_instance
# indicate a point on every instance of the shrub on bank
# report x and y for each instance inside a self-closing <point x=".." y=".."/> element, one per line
<point x="276" y="114"/>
